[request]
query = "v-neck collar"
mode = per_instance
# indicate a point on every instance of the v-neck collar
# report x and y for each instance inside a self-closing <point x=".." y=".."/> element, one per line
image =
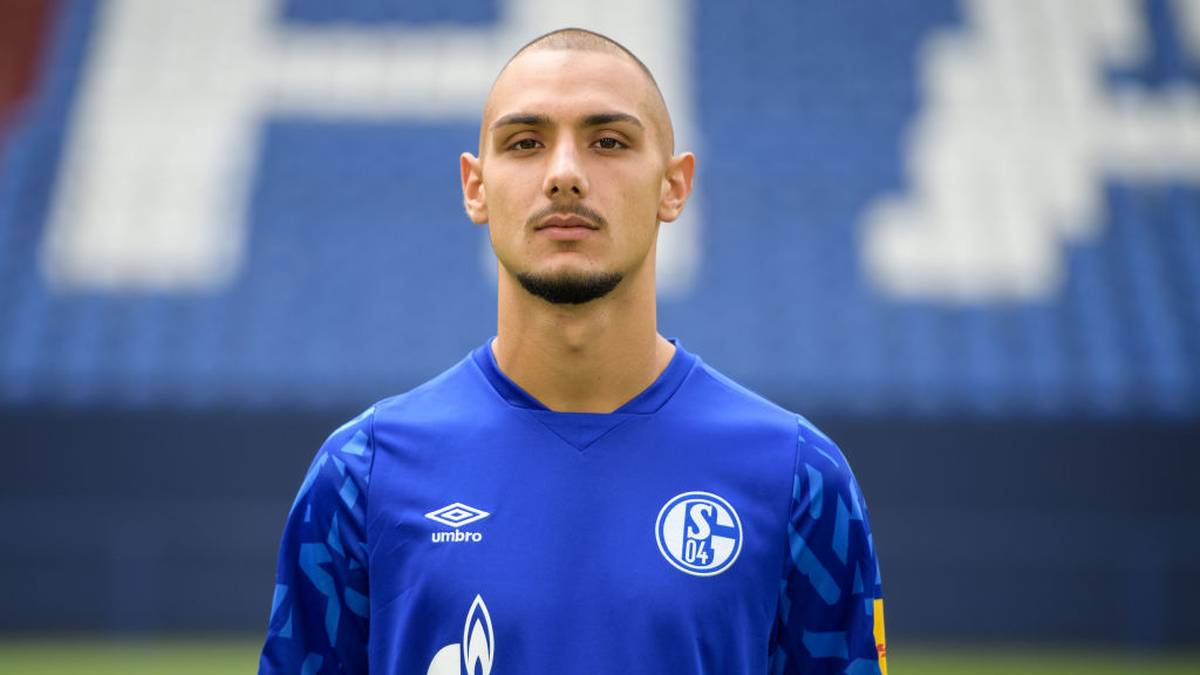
<point x="581" y="429"/>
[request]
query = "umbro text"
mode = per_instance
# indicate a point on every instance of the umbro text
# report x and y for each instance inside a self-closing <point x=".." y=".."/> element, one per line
<point x="455" y="535"/>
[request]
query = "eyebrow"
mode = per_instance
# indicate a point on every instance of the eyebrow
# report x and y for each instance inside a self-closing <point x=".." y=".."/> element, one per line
<point x="523" y="119"/>
<point x="600" y="119"/>
<point x="593" y="120"/>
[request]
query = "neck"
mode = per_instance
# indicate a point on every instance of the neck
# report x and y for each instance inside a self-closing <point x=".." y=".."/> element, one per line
<point x="592" y="357"/>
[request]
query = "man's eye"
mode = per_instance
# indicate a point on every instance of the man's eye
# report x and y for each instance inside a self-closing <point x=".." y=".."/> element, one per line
<point x="524" y="144"/>
<point x="609" y="143"/>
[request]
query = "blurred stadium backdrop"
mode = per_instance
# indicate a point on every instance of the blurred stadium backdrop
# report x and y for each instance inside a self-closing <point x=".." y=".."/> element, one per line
<point x="961" y="235"/>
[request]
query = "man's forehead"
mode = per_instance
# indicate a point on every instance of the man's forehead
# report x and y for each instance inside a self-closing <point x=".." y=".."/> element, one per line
<point x="565" y="78"/>
<point x="567" y="72"/>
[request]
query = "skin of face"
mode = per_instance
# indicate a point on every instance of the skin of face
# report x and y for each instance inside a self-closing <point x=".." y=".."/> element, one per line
<point x="580" y="132"/>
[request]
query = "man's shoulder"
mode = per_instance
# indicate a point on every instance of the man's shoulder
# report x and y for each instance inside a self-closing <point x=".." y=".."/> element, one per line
<point x="453" y="393"/>
<point x="719" y="393"/>
<point x="726" y="401"/>
<point x="448" y="397"/>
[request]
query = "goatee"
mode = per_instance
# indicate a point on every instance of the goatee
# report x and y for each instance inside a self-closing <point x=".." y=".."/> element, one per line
<point x="570" y="289"/>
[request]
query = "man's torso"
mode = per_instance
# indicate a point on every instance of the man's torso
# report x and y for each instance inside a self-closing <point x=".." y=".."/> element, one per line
<point x="649" y="540"/>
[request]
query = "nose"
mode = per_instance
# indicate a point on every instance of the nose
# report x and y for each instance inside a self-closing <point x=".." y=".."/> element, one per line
<point x="565" y="177"/>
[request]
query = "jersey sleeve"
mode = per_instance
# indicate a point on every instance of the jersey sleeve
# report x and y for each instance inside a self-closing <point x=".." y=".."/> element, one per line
<point x="319" y="613"/>
<point x="830" y="612"/>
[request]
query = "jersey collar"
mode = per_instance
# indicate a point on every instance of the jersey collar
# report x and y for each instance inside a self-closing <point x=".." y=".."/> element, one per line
<point x="647" y="402"/>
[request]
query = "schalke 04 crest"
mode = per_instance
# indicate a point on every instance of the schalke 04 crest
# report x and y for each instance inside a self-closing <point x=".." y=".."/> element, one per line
<point x="699" y="533"/>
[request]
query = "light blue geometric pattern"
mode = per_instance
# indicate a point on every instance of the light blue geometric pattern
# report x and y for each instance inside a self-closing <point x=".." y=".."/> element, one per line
<point x="357" y="445"/>
<point x="312" y="664"/>
<point x="816" y="491"/>
<point x="863" y="667"/>
<point x="277" y="599"/>
<point x="334" y="540"/>
<point x="821" y="451"/>
<point x="349" y="492"/>
<point x="311" y="557"/>
<point x="856" y="502"/>
<point x="357" y="602"/>
<point x="808" y="565"/>
<point x="841" y="530"/>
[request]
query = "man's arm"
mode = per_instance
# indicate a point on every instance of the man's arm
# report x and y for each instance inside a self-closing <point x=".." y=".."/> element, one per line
<point x="319" y="614"/>
<point x="830" y="617"/>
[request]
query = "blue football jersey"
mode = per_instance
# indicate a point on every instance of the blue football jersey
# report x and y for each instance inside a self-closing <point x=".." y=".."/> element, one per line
<point x="465" y="528"/>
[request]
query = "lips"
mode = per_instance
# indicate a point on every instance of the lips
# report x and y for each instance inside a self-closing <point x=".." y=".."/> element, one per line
<point x="564" y="227"/>
<point x="566" y="222"/>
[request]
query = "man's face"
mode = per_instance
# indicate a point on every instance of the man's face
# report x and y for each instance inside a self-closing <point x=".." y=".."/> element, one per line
<point x="572" y="174"/>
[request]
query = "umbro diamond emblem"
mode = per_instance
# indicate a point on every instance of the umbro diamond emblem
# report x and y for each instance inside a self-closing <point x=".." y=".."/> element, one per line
<point x="456" y="515"/>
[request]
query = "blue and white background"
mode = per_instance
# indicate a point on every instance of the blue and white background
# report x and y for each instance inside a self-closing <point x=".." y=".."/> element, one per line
<point x="965" y="234"/>
<point x="936" y="207"/>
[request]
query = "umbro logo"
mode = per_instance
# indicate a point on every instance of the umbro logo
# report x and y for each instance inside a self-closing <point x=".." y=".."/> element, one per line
<point x="456" y="515"/>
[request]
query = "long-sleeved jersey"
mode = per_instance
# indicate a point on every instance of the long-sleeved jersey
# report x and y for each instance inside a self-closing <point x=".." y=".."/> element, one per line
<point x="464" y="528"/>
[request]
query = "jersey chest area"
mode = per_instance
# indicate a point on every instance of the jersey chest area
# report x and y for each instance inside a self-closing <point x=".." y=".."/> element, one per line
<point x="641" y="535"/>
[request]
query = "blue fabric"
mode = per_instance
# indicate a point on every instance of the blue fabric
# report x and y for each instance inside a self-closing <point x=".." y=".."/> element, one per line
<point x="678" y="534"/>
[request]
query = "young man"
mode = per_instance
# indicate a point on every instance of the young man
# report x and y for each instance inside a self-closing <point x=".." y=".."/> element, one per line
<point x="579" y="494"/>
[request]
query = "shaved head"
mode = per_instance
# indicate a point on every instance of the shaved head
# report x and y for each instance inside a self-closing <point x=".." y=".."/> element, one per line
<point x="583" y="40"/>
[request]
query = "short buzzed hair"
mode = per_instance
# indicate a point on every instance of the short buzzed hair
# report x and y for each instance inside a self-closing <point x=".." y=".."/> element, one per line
<point x="584" y="40"/>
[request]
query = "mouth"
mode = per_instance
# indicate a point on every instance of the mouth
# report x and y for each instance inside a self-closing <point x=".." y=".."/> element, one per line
<point x="566" y="222"/>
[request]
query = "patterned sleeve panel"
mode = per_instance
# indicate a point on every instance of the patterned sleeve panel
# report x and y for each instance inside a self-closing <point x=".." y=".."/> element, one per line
<point x="319" y="614"/>
<point x="830" y="616"/>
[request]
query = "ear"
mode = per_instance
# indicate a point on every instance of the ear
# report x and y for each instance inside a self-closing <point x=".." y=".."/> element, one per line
<point x="474" y="197"/>
<point x="677" y="186"/>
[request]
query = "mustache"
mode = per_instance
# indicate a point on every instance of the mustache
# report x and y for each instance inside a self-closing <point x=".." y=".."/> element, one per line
<point x="567" y="210"/>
